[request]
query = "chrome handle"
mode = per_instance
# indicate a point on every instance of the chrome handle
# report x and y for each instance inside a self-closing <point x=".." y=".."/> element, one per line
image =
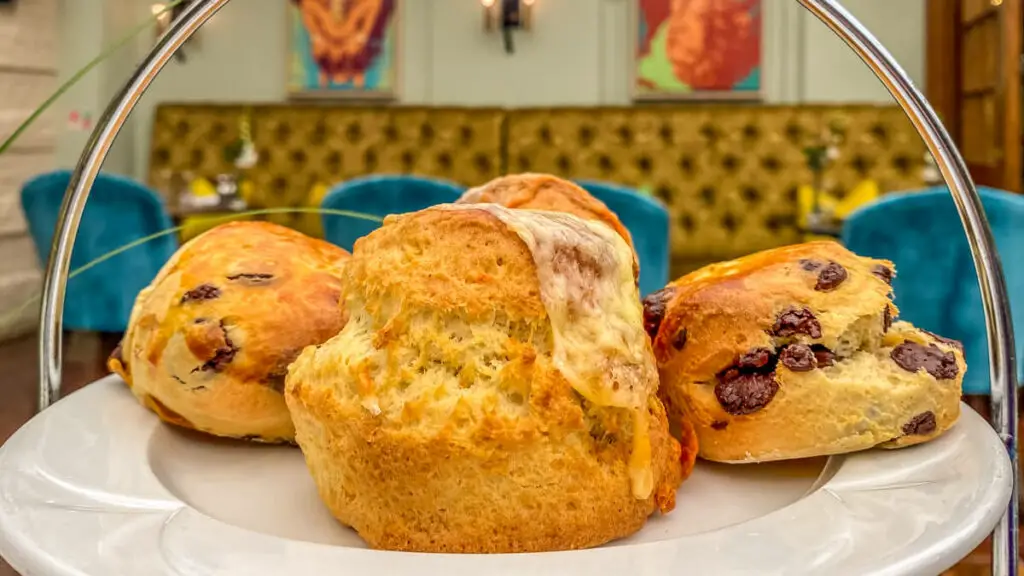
<point x="57" y="268"/>
<point x="998" y="323"/>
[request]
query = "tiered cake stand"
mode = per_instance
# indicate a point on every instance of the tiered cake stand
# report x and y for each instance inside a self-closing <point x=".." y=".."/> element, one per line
<point x="95" y="485"/>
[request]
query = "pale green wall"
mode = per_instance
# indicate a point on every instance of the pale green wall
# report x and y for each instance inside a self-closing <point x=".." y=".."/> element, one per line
<point x="86" y="28"/>
<point x="578" y="53"/>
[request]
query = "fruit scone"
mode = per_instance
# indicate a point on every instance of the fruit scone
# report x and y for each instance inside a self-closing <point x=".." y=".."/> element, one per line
<point x="795" y="352"/>
<point x="210" y="339"/>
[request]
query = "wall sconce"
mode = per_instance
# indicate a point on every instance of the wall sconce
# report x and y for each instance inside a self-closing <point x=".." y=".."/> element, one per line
<point x="508" y="16"/>
<point x="164" y="17"/>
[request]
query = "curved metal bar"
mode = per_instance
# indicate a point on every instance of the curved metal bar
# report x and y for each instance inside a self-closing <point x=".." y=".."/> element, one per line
<point x="998" y="323"/>
<point x="55" y="281"/>
<point x="990" y="275"/>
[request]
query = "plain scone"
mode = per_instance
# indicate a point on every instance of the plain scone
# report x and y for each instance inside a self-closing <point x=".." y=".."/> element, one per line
<point x="493" y="390"/>
<point x="209" y="341"/>
<point x="793" y="353"/>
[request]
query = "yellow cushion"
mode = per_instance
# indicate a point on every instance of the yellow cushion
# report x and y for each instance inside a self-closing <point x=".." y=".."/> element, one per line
<point x="202" y="187"/>
<point x="865" y="192"/>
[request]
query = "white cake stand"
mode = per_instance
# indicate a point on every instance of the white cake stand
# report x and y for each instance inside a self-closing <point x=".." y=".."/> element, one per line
<point x="98" y="485"/>
<point x="94" y="486"/>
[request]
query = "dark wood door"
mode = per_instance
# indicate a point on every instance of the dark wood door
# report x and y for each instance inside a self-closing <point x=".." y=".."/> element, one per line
<point x="974" y="81"/>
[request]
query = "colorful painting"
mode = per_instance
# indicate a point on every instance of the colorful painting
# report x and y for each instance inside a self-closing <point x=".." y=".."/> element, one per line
<point x="343" y="48"/>
<point x="698" y="49"/>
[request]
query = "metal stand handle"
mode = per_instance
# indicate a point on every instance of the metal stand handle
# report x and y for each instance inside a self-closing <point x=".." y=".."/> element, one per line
<point x="968" y="204"/>
<point x="998" y="322"/>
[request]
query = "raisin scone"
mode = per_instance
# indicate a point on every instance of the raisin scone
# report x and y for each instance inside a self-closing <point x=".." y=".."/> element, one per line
<point x="209" y="341"/>
<point x="499" y="399"/>
<point x="794" y="352"/>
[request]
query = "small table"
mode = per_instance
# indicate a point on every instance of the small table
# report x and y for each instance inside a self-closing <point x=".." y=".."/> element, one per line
<point x="225" y="205"/>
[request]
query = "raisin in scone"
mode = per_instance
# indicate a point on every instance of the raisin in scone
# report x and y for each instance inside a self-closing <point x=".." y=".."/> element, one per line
<point x="794" y="352"/>
<point x="498" y="399"/>
<point x="209" y="341"/>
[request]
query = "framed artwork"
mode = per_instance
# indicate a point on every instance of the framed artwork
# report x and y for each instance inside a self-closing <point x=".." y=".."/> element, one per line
<point x="343" y="48"/>
<point x="697" y="49"/>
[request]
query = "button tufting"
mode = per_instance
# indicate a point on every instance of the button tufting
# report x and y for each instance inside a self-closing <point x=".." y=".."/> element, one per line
<point x="544" y="134"/>
<point x="482" y="162"/>
<point x="729" y="222"/>
<point x="625" y="135"/>
<point x="370" y="159"/>
<point x="707" y="193"/>
<point x="426" y="133"/>
<point x="586" y="135"/>
<point x="666" y="134"/>
<point x="408" y="160"/>
<point x="196" y="158"/>
<point x="771" y="164"/>
<point x="354" y="133"/>
<point x="686" y="221"/>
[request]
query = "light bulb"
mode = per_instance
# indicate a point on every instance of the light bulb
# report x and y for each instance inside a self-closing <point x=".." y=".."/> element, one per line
<point x="487" y="3"/>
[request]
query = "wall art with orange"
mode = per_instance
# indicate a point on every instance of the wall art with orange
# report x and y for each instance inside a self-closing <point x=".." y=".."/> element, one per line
<point x="699" y="49"/>
<point x="343" y="48"/>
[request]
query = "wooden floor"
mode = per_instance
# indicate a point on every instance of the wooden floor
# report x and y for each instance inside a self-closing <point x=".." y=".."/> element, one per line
<point x="84" y="359"/>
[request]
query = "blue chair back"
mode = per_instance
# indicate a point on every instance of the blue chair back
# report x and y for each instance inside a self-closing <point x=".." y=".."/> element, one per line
<point x="118" y="212"/>
<point x="936" y="285"/>
<point x="380" y="196"/>
<point x="648" y="224"/>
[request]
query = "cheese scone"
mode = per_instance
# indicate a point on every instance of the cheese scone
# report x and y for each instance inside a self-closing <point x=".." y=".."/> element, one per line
<point x="493" y="390"/>
<point x="209" y="341"/>
<point x="793" y="353"/>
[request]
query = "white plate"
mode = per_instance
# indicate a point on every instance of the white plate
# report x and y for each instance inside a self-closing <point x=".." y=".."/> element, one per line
<point x="96" y="485"/>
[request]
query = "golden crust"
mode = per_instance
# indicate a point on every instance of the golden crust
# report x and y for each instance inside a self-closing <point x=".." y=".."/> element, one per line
<point x="210" y="340"/>
<point x="819" y="299"/>
<point x="437" y="245"/>
<point x="437" y="420"/>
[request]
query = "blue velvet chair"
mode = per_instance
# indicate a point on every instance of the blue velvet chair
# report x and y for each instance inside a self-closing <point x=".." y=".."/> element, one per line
<point x="648" y="224"/>
<point x="118" y="212"/>
<point x="380" y="196"/>
<point x="936" y="285"/>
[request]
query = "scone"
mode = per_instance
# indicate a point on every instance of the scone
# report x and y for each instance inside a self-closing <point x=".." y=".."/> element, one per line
<point x="496" y="398"/>
<point x="209" y="342"/>
<point x="793" y="353"/>
<point x="545" y="192"/>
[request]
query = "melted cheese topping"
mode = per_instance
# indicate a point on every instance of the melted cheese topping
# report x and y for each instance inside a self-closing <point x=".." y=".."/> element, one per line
<point x="590" y="295"/>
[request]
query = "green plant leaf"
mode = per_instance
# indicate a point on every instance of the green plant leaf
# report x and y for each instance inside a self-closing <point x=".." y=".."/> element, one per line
<point x="107" y="52"/>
